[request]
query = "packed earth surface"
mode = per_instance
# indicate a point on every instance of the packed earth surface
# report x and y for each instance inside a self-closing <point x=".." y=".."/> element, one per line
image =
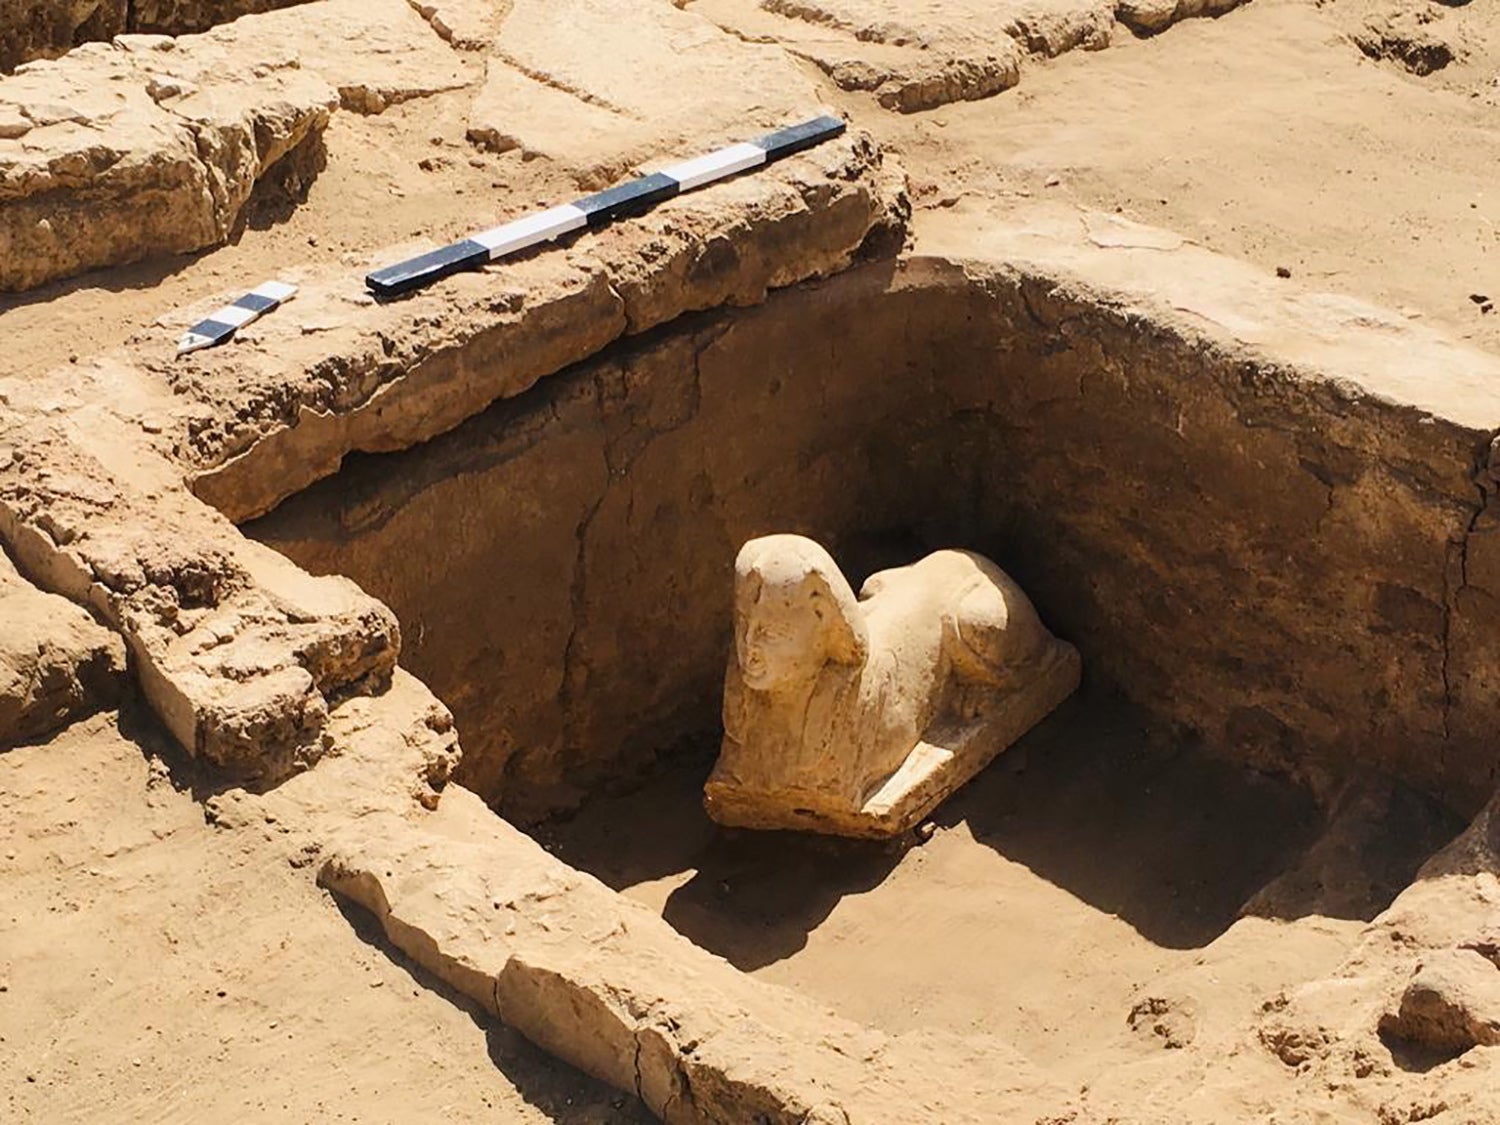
<point x="360" y="676"/>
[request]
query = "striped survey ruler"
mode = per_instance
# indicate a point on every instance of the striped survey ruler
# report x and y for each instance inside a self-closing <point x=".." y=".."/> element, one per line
<point x="631" y="197"/>
<point x="222" y="325"/>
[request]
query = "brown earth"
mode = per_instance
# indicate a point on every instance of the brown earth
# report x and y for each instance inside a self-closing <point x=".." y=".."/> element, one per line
<point x="1107" y="925"/>
<point x="158" y="967"/>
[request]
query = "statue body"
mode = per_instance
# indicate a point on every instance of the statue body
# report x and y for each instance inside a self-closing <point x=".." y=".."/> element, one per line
<point x="857" y="716"/>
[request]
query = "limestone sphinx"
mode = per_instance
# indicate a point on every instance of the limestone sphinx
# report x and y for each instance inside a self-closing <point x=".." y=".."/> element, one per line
<point x="858" y="716"/>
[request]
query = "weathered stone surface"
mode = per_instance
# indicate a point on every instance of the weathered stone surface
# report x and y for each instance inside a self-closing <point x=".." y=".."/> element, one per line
<point x="604" y="983"/>
<point x="468" y="25"/>
<point x="152" y="145"/>
<point x="905" y="77"/>
<point x="138" y="150"/>
<point x="917" y="54"/>
<point x="1147" y="17"/>
<point x="375" y="53"/>
<point x="1451" y="1004"/>
<point x="392" y="752"/>
<point x="857" y="717"/>
<point x="56" y="662"/>
<point x="1242" y="512"/>
<point x="1044" y="27"/>
<point x="552" y="92"/>
<point x="238" y="652"/>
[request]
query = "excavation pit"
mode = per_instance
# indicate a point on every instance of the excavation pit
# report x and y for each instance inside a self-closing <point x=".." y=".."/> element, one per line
<point x="1283" y="669"/>
<point x="1087" y="870"/>
<point x="1222" y="883"/>
<point x="1281" y="564"/>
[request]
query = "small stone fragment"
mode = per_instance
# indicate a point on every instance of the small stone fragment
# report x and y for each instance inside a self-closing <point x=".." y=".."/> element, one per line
<point x="12" y="124"/>
<point x="1172" y="1022"/>
<point x="1451" y="1004"/>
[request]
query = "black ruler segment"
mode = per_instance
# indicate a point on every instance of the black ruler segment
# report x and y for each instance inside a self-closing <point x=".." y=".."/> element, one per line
<point x="634" y="197"/>
<point x="799" y="138"/>
<point x="257" y="303"/>
<point x="424" y="269"/>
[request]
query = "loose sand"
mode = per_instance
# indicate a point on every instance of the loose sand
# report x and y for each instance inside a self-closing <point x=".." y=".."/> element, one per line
<point x="1084" y="896"/>
<point x="154" y="968"/>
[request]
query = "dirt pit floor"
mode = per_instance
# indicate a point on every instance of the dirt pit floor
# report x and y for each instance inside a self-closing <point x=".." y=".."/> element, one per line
<point x="156" y="967"/>
<point x="1093" y="894"/>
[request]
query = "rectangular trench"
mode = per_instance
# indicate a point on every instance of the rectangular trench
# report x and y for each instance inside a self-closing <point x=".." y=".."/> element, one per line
<point x="1276" y="569"/>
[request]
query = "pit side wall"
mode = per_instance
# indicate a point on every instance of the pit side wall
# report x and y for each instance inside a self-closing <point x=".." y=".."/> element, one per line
<point x="1261" y="556"/>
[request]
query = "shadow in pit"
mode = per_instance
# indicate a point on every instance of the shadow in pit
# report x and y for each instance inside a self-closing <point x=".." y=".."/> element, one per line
<point x="566" y="1095"/>
<point x="1413" y="1058"/>
<point x="751" y="897"/>
<point x="1176" y="843"/>
<point x="1180" y="844"/>
<point x="1168" y="839"/>
<point x="283" y="187"/>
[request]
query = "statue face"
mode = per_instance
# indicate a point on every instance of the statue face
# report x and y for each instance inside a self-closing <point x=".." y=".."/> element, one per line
<point x="781" y="639"/>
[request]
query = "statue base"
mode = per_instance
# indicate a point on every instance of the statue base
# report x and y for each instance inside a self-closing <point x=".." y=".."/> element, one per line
<point x="948" y="757"/>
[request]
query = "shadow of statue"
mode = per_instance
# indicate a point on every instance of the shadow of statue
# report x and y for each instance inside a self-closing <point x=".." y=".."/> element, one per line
<point x="1180" y="843"/>
<point x="756" y="896"/>
<point x="1175" y="842"/>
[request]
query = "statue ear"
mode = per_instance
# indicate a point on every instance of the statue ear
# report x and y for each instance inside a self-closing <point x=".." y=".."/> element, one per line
<point x="847" y="639"/>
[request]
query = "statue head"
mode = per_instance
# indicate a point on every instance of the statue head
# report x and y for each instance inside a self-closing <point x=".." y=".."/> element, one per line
<point x="794" y="614"/>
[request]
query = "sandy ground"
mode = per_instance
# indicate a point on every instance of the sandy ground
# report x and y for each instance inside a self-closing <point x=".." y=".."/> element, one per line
<point x="1265" y="134"/>
<point x="156" y="969"/>
<point x="1086" y="873"/>
<point x="153" y="968"/>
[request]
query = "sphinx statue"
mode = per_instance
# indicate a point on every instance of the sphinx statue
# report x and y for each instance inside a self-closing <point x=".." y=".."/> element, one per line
<point x="858" y="716"/>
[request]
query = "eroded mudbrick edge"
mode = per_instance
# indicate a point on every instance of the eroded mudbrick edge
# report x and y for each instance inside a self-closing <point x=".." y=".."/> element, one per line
<point x="271" y="420"/>
<point x="57" y="664"/>
<point x="239" y="653"/>
<point x="607" y="985"/>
